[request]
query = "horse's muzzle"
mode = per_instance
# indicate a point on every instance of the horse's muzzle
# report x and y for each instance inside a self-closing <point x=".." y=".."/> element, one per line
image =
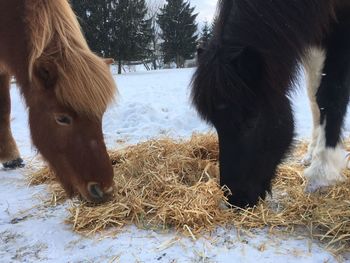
<point x="97" y="195"/>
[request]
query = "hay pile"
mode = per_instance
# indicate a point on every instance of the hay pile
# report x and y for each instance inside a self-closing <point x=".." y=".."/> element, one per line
<point x="164" y="184"/>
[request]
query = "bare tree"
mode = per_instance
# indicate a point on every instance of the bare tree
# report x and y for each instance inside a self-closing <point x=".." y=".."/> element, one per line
<point x="153" y="9"/>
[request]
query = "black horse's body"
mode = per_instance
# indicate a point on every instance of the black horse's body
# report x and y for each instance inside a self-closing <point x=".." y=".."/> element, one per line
<point x="244" y="77"/>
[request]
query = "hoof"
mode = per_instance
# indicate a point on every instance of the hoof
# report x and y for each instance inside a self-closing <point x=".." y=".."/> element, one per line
<point x="321" y="179"/>
<point x="313" y="185"/>
<point x="14" y="164"/>
<point x="326" y="169"/>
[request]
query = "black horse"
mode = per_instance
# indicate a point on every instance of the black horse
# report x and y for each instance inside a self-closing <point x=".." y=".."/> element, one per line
<point x="245" y="75"/>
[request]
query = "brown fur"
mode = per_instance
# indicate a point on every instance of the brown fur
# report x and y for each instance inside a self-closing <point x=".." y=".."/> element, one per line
<point x="60" y="78"/>
<point x="76" y="64"/>
<point x="8" y="147"/>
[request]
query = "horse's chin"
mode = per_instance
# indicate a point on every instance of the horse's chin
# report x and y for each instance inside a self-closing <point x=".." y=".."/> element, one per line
<point x="69" y="189"/>
<point x="90" y="191"/>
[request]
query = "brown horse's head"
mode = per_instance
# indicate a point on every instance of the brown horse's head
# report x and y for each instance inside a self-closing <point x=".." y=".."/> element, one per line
<point x="68" y="133"/>
<point x="70" y="89"/>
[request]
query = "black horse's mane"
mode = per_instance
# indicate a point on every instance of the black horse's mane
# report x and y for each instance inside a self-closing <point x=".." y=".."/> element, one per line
<point x="250" y="34"/>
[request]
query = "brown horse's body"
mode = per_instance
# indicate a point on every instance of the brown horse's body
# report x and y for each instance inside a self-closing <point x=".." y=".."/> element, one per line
<point x="66" y="89"/>
<point x="13" y="51"/>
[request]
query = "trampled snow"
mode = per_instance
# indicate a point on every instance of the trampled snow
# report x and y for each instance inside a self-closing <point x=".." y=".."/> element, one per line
<point x="151" y="104"/>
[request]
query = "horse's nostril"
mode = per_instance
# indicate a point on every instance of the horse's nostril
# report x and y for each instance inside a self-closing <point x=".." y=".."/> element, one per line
<point x="95" y="191"/>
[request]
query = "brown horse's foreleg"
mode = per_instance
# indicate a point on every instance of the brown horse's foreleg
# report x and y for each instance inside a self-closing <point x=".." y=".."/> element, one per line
<point x="9" y="154"/>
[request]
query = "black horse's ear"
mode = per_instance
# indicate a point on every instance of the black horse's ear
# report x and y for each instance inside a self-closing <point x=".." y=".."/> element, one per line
<point x="47" y="73"/>
<point x="200" y="50"/>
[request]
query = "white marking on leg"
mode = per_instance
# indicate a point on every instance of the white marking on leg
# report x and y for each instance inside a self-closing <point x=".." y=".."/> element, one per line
<point x="311" y="148"/>
<point x="327" y="164"/>
<point x="314" y="64"/>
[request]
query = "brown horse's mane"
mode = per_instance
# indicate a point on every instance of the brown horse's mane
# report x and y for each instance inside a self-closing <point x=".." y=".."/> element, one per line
<point x="84" y="81"/>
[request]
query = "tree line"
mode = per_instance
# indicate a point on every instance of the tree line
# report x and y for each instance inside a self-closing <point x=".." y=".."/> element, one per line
<point x="133" y="31"/>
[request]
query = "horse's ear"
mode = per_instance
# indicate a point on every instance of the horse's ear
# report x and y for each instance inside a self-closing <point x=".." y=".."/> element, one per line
<point x="47" y="73"/>
<point x="108" y="61"/>
<point x="200" y="50"/>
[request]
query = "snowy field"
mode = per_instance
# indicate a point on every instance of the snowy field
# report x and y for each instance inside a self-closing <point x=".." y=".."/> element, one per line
<point x="150" y="104"/>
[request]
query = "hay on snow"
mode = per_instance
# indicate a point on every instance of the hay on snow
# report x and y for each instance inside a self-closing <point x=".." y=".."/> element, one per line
<point x="166" y="184"/>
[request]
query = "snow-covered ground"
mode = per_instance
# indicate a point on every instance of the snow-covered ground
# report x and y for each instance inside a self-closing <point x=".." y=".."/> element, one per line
<point x="150" y="104"/>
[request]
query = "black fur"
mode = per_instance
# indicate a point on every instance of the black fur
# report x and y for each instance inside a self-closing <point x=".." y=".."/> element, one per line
<point x="333" y="94"/>
<point x="244" y="77"/>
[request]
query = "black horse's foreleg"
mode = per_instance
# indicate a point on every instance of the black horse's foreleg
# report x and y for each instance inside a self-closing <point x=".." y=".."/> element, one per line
<point x="332" y="96"/>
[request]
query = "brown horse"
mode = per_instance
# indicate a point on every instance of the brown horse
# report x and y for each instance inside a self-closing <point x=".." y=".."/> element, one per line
<point x="66" y="89"/>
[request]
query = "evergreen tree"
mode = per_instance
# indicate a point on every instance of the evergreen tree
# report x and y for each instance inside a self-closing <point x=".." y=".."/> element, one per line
<point x="206" y="34"/>
<point x="131" y="31"/>
<point x="93" y="17"/>
<point x="116" y="28"/>
<point x="177" y="22"/>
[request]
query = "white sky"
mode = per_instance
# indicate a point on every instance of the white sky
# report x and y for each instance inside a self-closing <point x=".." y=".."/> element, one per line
<point x="205" y="8"/>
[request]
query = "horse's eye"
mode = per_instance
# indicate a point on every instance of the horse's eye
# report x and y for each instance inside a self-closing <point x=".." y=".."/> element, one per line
<point x="63" y="119"/>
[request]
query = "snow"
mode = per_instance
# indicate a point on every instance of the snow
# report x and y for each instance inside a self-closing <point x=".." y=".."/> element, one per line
<point x="150" y="104"/>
